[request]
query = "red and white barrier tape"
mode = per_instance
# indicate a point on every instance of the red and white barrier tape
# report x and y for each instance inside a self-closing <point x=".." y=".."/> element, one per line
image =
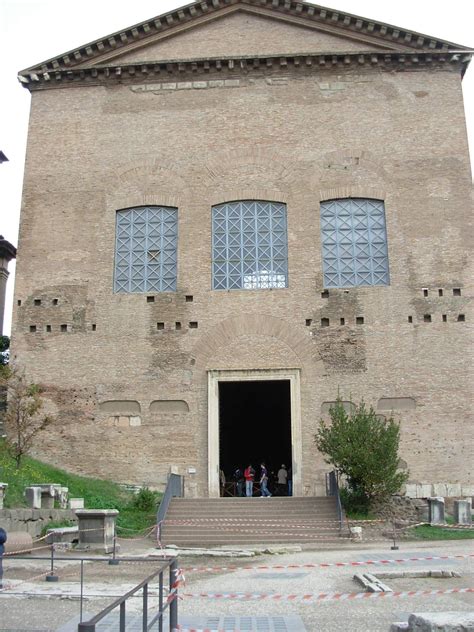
<point x="193" y="521"/>
<point x="330" y="596"/>
<point x="325" y="564"/>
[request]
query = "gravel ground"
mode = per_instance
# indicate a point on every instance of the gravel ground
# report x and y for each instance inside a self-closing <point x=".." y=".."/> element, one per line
<point x="33" y="609"/>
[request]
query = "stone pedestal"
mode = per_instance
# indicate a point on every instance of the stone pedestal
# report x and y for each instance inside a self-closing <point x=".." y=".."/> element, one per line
<point x="356" y="533"/>
<point x="97" y="529"/>
<point x="63" y="495"/>
<point x="3" y="491"/>
<point x="463" y="512"/>
<point x="33" y="497"/>
<point x="76" y="503"/>
<point x="436" y="510"/>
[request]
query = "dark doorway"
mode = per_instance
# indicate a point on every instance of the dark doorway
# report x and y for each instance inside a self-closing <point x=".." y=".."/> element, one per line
<point x="254" y="425"/>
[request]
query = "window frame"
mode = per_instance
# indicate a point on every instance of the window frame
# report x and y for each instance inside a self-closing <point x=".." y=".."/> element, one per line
<point x="357" y="249"/>
<point x="158" y="256"/>
<point x="246" y="259"/>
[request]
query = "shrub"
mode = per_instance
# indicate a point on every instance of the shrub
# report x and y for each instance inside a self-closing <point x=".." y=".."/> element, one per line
<point x="145" y="500"/>
<point x="364" y="448"/>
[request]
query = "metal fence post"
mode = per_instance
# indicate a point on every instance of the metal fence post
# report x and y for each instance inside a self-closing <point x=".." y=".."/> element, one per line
<point x="174" y="601"/>
<point x="82" y="591"/>
<point x="145" y="608"/>
<point x="51" y="577"/>
<point x="160" y="602"/>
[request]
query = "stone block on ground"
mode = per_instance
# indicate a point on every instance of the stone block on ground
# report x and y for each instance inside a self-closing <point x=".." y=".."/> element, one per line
<point x="3" y="491"/>
<point x="436" y="510"/>
<point x="76" y="503"/>
<point x="33" y="497"/>
<point x="441" y="622"/>
<point x="463" y="512"/>
<point x="97" y="529"/>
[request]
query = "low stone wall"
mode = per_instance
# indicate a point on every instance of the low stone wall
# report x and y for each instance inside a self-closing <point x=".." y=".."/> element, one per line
<point x="403" y="509"/>
<point x="32" y="520"/>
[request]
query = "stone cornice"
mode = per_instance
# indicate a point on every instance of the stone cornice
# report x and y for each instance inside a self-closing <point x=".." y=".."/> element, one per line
<point x="233" y="66"/>
<point x="327" y="19"/>
<point x="7" y="250"/>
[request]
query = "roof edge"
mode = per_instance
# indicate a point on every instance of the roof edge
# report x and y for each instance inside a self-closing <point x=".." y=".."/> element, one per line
<point x="143" y="31"/>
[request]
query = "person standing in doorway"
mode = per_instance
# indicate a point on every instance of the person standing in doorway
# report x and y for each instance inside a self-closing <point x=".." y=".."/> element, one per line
<point x="264" y="481"/>
<point x="282" y="480"/>
<point x="239" y="481"/>
<point x="249" y="474"/>
<point x="290" y="481"/>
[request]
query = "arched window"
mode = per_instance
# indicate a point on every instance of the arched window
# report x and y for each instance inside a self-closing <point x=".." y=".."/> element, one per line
<point x="146" y="249"/>
<point x="354" y="243"/>
<point x="249" y="245"/>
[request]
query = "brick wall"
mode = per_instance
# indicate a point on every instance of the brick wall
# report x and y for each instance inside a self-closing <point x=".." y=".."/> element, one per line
<point x="198" y="140"/>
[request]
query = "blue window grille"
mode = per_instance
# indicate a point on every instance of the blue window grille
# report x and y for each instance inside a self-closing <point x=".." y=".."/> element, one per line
<point x="354" y="243"/>
<point x="249" y="245"/>
<point x="146" y="249"/>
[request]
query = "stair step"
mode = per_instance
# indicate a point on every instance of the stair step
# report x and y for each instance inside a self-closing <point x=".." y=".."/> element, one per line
<point x="221" y="521"/>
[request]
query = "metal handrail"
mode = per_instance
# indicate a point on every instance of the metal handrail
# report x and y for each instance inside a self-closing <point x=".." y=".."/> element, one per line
<point x="332" y="489"/>
<point x="174" y="489"/>
<point x="171" y="602"/>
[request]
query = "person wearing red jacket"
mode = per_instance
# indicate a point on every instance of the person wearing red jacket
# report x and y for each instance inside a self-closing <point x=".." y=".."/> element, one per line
<point x="249" y="474"/>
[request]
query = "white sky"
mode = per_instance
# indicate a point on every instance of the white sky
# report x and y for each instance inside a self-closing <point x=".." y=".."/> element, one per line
<point x="34" y="30"/>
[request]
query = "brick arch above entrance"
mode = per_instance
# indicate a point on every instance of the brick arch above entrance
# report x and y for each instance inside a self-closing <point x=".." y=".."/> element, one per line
<point x="229" y="329"/>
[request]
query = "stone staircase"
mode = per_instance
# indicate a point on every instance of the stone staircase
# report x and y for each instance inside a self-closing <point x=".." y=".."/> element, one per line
<point x="227" y="521"/>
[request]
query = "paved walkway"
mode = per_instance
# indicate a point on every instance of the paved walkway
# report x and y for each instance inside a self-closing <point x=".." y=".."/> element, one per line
<point x="296" y="573"/>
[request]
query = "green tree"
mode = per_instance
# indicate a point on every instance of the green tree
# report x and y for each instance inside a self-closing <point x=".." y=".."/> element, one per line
<point x="4" y="346"/>
<point x="364" y="448"/>
<point x="22" y="419"/>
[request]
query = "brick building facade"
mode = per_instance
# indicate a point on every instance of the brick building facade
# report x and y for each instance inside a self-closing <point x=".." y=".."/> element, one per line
<point x="265" y="194"/>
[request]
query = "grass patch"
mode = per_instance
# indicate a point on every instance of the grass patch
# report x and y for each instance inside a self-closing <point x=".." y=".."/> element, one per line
<point x="135" y="515"/>
<point x="427" y="532"/>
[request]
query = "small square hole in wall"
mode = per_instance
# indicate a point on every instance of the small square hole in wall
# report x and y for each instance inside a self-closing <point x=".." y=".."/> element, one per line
<point x="456" y="291"/>
<point x="48" y="328"/>
<point x="18" y="303"/>
<point x="37" y="302"/>
<point x="410" y="319"/>
<point x="32" y="328"/>
<point x="425" y="291"/>
<point x="189" y="298"/>
<point x="461" y="318"/>
<point x="63" y="327"/>
<point x="308" y="322"/>
<point x="160" y="325"/>
<point x="325" y="294"/>
<point x="94" y="327"/>
<point x="427" y="318"/>
<point x="440" y="292"/>
<point x="324" y="322"/>
<point x="177" y="326"/>
<point x="445" y="318"/>
<point x="55" y="301"/>
<point x="342" y="321"/>
<point x="193" y="325"/>
<point x="150" y="299"/>
<point x="359" y="320"/>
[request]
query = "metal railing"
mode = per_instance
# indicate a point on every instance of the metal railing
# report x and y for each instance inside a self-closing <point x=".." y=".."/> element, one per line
<point x="174" y="489"/>
<point x="332" y="489"/>
<point x="170" y="603"/>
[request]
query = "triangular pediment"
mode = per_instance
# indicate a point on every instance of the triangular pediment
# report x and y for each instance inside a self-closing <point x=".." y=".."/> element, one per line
<point x="241" y="33"/>
<point x="242" y="28"/>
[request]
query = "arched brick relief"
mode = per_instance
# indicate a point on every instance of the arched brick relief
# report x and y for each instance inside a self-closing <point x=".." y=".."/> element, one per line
<point x="348" y="406"/>
<point x="120" y="407"/>
<point x="247" y="325"/>
<point x="350" y="191"/>
<point x="396" y="403"/>
<point x="235" y="195"/>
<point x="260" y="168"/>
<point x="169" y="406"/>
<point x="147" y="183"/>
